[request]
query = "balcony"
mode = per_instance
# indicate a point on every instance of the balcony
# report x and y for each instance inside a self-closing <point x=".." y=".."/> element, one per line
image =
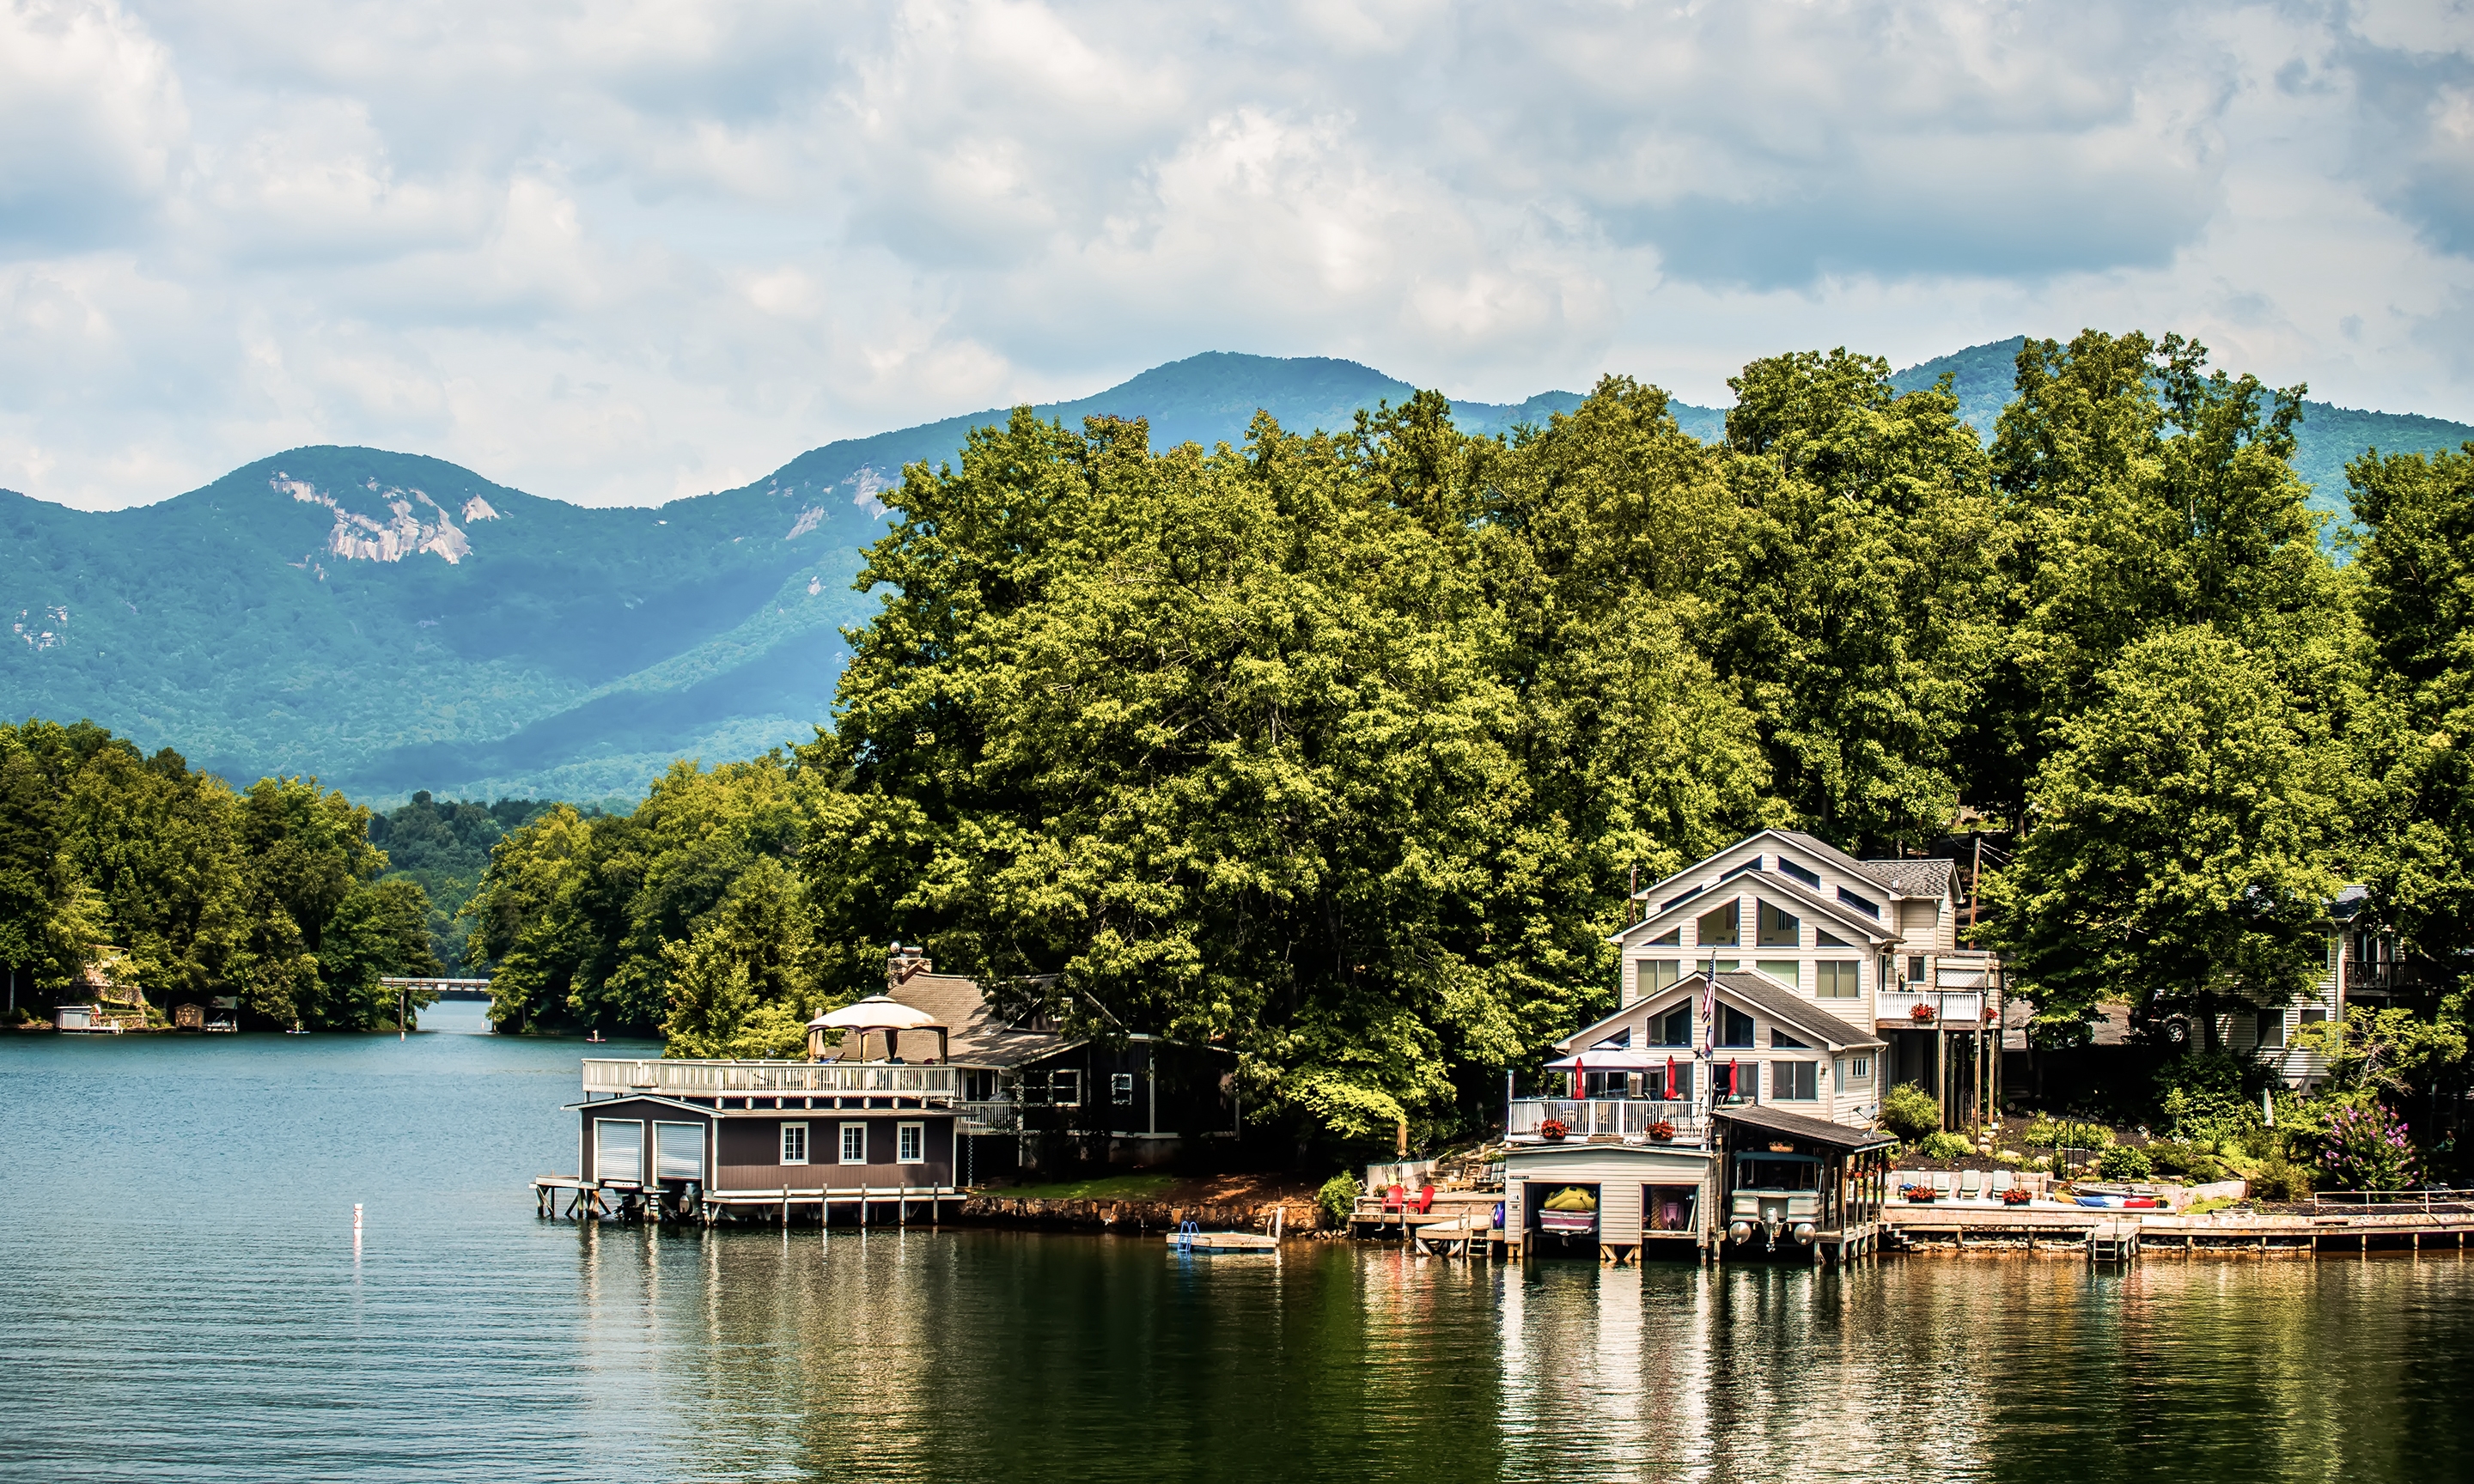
<point x="1627" y="1119"/>
<point x="668" y="1078"/>
<point x="1951" y="1009"/>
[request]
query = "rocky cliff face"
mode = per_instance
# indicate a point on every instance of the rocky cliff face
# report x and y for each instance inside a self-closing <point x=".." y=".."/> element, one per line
<point x="403" y="533"/>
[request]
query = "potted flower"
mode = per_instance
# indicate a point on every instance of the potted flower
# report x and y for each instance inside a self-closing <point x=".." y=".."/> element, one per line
<point x="1922" y="1014"/>
<point x="1553" y="1130"/>
<point x="1663" y="1131"/>
<point x="2017" y="1195"/>
<point x="1920" y="1195"/>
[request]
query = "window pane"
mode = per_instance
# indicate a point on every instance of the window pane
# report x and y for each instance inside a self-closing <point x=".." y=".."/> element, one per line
<point x="1778" y="929"/>
<point x="1786" y="971"/>
<point x="1834" y="979"/>
<point x="1720" y="927"/>
<point x="1735" y="1027"/>
<point x="794" y="1143"/>
<point x="854" y="1143"/>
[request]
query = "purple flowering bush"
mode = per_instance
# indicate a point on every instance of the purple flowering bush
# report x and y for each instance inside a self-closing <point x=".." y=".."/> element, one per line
<point x="2366" y="1148"/>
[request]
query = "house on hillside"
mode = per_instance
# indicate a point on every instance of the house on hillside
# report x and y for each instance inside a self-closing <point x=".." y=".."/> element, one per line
<point x="1035" y="1097"/>
<point x="1771" y="994"/>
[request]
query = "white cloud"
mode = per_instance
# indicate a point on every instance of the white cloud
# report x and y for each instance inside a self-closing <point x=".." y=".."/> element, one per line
<point x="630" y="250"/>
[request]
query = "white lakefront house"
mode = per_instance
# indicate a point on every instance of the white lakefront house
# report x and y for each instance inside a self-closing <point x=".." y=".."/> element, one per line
<point x="1742" y="1109"/>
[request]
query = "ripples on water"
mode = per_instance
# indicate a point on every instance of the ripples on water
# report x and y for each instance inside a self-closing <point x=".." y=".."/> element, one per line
<point x="185" y="1300"/>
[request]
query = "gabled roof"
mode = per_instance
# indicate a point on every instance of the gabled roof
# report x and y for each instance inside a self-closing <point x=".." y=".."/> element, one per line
<point x="1780" y="1003"/>
<point x="1775" y="885"/>
<point x="1812" y="1130"/>
<point x="1925" y="875"/>
<point x="642" y="1097"/>
<point x="1756" y="990"/>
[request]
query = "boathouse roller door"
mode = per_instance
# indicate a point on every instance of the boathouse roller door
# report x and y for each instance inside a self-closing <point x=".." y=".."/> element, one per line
<point x="678" y="1151"/>
<point x="617" y="1149"/>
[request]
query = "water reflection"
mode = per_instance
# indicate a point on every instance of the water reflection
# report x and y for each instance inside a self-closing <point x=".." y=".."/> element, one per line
<point x="188" y="1303"/>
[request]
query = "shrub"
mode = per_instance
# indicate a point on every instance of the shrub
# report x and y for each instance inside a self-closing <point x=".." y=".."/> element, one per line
<point x="2190" y="1161"/>
<point x="1944" y="1146"/>
<point x="2366" y="1148"/>
<point x="2280" y="1180"/>
<point x="1337" y="1198"/>
<point x="2039" y="1133"/>
<point x="1910" y="1112"/>
<point x="2120" y="1161"/>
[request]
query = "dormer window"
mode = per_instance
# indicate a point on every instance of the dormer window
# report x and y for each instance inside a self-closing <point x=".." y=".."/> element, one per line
<point x="1722" y="927"/>
<point x="1778" y="929"/>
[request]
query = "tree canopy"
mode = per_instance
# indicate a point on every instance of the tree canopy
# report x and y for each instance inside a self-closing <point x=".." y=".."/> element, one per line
<point x="271" y="895"/>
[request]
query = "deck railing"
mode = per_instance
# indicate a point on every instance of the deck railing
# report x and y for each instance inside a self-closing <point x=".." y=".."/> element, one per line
<point x="1586" y="1118"/>
<point x="709" y="1079"/>
<point x="1954" y="1009"/>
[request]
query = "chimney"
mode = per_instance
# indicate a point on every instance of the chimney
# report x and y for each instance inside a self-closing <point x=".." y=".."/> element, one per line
<point x="901" y="962"/>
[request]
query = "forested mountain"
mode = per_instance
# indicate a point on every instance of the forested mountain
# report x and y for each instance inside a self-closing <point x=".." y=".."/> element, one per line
<point x="390" y="622"/>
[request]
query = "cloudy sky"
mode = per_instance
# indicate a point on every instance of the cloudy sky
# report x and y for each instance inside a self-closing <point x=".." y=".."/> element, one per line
<point x="617" y="251"/>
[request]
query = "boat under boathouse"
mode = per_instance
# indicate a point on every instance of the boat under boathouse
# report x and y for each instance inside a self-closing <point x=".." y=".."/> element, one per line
<point x="846" y="1140"/>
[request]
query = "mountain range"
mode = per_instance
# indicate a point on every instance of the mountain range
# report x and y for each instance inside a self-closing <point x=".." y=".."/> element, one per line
<point x="392" y="622"/>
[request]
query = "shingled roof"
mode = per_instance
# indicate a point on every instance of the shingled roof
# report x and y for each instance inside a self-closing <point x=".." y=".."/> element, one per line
<point x="976" y="1035"/>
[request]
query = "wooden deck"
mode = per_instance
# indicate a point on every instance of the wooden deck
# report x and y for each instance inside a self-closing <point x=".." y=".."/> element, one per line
<point x="1222" y="1242"/>
<point x="625" y="1200"/>
<point x="2118" y="1235"/>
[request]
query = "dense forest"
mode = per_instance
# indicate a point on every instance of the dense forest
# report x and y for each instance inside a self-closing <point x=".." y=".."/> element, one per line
<point x="271" y="895"/>
<point x="1341" y="749"/>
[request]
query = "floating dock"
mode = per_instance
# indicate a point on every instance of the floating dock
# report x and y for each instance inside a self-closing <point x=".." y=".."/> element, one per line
<point x="1220" y="1241"/>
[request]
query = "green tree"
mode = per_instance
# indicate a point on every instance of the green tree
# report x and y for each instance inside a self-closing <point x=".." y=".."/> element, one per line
<point x="1858" y="608"/>
<point x="2182" y="841"/>
<point x="746" y="981"/>
<point x="2143" y="492"/>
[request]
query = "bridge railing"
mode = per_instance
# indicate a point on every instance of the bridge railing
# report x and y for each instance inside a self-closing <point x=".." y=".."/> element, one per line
<point x="711" y="1078"/>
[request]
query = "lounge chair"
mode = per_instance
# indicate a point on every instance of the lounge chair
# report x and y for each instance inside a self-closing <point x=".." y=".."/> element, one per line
<point x="1971" y="1184"/>
<point x="1945" y="1183"/>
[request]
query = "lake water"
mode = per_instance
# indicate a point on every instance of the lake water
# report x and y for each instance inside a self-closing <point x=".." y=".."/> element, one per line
<point x="184" y="1299"/>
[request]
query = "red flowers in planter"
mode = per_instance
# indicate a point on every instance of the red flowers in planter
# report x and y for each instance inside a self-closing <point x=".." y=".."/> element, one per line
<point x="1662" y="1130"/>
<point x="1922" y="1195"/>
<point x="2017" y="1195"/>
<point x="1920" y="1014"/>
<point x="1553" y="1129"/>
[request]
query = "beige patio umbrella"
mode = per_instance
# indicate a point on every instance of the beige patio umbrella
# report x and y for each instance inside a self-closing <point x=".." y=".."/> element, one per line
<point x="876" y="1012"/>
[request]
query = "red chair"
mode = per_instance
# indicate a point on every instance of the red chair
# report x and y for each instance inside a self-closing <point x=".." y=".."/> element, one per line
<point x="1425" y="1203"/>
<point x="1394" y="1199"/>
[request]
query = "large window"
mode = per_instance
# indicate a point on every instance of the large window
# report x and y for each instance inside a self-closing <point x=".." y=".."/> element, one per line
<point x="1777" y="929"/>
<point x="1673" y="1028"/>
<point x="854" y="1143"/>
<point x="1735" y="1027"/>
<point x="1834" y="979"/>
<point x="911" y="1144"/>
<point x="1653" y="974"/>
<point x="1722" y="927"/>
<point x="794" y="1143"/>
<point x="1785" y="970"/>
<point x="1795" y="1082"/>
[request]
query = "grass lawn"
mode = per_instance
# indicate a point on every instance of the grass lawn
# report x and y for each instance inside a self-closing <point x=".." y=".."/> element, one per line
<point x="1104" y="1187"/>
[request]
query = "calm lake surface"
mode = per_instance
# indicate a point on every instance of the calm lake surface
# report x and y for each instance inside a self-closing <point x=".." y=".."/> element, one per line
<point x="184" y="1299"/>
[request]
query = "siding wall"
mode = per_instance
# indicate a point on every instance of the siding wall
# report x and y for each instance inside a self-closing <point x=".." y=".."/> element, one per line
<point x="751" y="1151"/>
<point x="1620" y="1173"/>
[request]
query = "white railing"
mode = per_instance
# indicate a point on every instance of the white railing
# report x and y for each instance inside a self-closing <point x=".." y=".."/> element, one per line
<point x="711" y="1078"/>
<point x="1588" y="1117"/>
<point x="1954" y="1009"/>
<point x="1000" y="1118"/>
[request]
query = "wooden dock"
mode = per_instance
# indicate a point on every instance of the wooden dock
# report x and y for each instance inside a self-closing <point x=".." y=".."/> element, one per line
<point x="620" y="1199"/>
<point x="2110" y="1235"/>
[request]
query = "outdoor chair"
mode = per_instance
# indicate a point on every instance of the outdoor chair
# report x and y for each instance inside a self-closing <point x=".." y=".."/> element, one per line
<point x="1425" y="1201"/>
<point x="1393" y="1198"/>
<point x="1971" y="1184"/>
<point x="1944" y="1183"/>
